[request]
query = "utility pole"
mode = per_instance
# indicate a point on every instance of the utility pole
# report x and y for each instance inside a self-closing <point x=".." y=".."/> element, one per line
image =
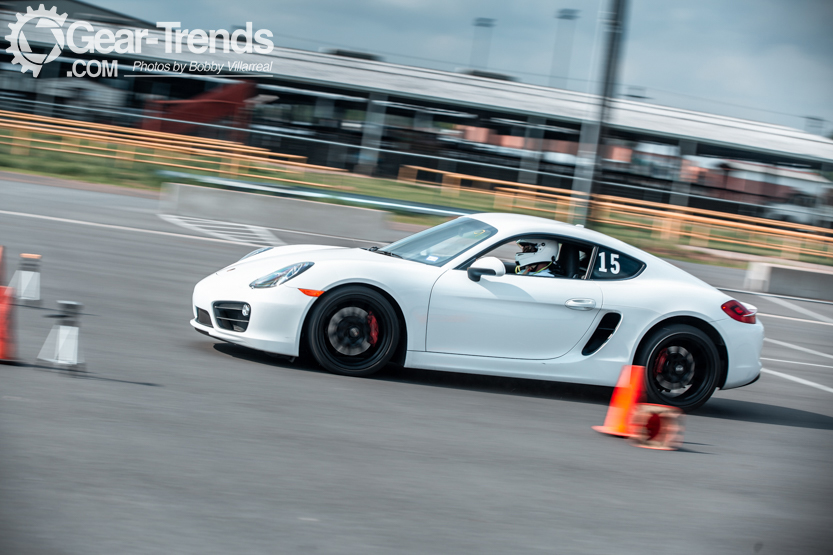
<point x="588" y="162"/>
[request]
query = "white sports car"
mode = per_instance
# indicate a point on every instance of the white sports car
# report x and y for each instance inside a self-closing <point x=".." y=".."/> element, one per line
<point x="450" y="298"/>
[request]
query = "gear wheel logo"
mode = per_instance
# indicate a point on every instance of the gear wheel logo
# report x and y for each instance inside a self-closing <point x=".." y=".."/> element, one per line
<point x="23" y="55"/>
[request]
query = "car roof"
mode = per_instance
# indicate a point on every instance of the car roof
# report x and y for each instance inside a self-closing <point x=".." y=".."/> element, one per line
<point x="514" y="224"/>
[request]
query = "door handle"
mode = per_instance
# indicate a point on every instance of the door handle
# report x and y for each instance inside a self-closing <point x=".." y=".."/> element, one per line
<point x="581" y="304"/>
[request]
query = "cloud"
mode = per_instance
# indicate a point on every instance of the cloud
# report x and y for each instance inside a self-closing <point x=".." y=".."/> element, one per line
<point x="758" y="60"/>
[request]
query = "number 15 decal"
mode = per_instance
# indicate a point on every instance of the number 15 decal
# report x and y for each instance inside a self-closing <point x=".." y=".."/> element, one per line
<point x="614" y="263"/>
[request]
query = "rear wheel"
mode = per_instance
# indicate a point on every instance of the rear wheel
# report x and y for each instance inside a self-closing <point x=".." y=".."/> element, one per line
<point x="681" y="366"/>
<point x="353" y="331"/>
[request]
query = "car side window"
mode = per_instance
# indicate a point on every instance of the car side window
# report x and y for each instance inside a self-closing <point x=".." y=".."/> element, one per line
<point x="574" y="258"/>
<point x="505" y="252"/>
<point x="571" y="262"/>
<point x="611" y="264"/>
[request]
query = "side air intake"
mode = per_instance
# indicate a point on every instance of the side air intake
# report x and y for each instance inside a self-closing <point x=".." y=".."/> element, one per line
<point x="607" y="326"/>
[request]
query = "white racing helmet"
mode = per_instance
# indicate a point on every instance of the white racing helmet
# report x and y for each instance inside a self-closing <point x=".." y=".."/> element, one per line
<point x="535" y="250"/>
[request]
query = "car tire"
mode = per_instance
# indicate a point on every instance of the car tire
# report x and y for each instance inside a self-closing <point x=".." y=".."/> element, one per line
<point x="353" y="331"/>
<point x="681" y="366"/>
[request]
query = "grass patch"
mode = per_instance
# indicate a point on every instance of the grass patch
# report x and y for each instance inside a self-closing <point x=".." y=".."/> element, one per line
<point x="83" y="168"/>
<point x="417" y="219"/>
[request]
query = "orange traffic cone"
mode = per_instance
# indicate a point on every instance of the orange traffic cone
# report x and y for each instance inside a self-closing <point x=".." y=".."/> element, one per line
<point x="627" y="394"/>
<point x="7" y="343"/>
<point x="657" y="427"/>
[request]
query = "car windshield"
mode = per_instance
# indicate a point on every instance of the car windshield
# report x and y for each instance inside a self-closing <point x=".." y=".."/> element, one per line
<point x="438" y="245"/>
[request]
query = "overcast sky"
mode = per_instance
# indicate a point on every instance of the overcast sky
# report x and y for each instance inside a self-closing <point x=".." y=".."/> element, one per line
<point x="766" y="60"/>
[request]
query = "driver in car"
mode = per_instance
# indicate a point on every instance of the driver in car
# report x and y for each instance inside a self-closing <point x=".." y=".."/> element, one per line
<point x="537" y="258"/>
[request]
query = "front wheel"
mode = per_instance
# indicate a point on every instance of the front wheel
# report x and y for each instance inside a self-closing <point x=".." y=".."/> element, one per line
<point x="353" y="331"/>
<point x="681" y="366"/>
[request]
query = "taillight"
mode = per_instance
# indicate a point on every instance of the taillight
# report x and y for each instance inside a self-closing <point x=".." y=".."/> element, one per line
<point x="740" y="312"/>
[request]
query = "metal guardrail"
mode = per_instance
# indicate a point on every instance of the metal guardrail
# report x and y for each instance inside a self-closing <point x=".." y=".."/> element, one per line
<point x="316" y="195"/>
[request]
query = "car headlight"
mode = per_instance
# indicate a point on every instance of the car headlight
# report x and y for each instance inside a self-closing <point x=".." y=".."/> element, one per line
<point x="254" y="252"/>
<point x="281" y="276"/>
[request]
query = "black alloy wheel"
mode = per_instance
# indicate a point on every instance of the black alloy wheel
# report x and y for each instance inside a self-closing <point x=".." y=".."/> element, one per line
<point x="353" y="331"/>
<point x="681" y="366"/>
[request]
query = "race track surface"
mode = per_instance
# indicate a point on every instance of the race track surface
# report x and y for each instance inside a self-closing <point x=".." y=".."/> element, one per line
<point x="176" y="443"/>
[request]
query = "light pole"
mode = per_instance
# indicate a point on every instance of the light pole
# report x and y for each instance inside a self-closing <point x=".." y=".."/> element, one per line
<point x="564" y="46"/>
<point x="486" y="24"/>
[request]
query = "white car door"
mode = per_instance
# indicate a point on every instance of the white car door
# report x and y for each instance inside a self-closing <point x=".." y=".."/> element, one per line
<point x="511" y="316"/>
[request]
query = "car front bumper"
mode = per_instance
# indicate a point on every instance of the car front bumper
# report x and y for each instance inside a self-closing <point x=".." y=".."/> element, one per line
<point x="275" y="322"/>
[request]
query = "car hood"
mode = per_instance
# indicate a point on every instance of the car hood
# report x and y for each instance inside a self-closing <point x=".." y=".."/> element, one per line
<point x="274" y="259"/>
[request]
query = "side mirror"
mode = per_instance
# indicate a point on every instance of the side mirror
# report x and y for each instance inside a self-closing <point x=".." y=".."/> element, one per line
<point x="488" y="266"/>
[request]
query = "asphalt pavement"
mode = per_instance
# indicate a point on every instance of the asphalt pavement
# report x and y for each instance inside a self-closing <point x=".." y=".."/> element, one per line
<point x="175" y="443"/>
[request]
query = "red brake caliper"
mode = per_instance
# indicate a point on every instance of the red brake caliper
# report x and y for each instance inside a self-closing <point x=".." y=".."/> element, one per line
<point x="660" y="363"/>
<point x="374" y="328"/>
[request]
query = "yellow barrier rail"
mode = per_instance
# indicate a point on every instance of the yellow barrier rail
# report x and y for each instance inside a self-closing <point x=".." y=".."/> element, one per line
<point x="150" y="137"/>
<point x="694" y="226"/>
<point x="126" y="146"/>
